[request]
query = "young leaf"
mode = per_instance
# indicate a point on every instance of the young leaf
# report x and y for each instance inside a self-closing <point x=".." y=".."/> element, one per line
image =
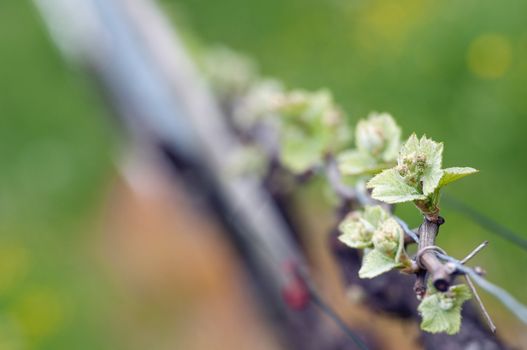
<point x="355" y="233"/>
<point x="454" y="174"/>
<point x="441" y="312"/>
<point x="311" y="125"/>
<point x="375" y="263"/>
<point x="375" y="215"/>
<point x="229" y="73"/>
<point x="358" y="227"/>
<point x="299" y="154"/>
<point x="433" y="152"/>
<point x="379" y="137"/>
<point x="388" y="252"/>
<point x="419" y="162"/>
<point x="390" y="187"/>
<point x="410" y="146"/>
<point x="417" y="177"/>
<point x="355" y="162"/>
<point x="388" y="238"/>
<point x="257" y="104"/>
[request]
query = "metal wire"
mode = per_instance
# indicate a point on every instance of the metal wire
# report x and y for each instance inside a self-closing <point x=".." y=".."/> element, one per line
<point x="485" y="222"/>
<point x="328" y="311"/>
<point x="406" y="229"/>
<point x="517" y="308"/>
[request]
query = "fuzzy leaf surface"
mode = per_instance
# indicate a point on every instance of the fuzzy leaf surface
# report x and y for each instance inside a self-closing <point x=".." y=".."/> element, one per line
<point x="389" y="186"/>
<point x="453" y="174"/>
<point x="441" y="312"/>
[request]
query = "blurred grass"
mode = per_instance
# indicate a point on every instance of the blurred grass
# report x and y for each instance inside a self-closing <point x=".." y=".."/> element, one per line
<point x="453" y="70"/>
<point x="54" y="152"/>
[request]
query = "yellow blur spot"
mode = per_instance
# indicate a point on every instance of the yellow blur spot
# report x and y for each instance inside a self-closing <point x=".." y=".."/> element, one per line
<point x="489" y="56"/>
<point x="385" y="24"/>
<point x="40" y="313"/>
<point x="14" y="263"/>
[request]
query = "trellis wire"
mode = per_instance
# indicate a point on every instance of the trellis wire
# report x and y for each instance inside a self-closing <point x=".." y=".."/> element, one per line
<point x="330" y="312"/>
<point x="486" y="222"/>
<point x="517" y="308"/>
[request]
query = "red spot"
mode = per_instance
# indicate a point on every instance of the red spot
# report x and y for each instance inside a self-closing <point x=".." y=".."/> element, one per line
<point x="295" y="293"/>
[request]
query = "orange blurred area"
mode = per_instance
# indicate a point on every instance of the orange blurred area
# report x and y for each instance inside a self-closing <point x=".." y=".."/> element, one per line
<point x="181" y="286"/>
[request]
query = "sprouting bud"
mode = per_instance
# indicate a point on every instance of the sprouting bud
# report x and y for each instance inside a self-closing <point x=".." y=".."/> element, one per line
<point x="387" y="237"/>
<point x="403" y="169"/>
<point x="420" y="161"/>
<point x="412" y="166"/>
<point x="379" y="136"/>
<point x="356" y="232"/>
<point x="311" y="126"/>
<point x="295" y="104"/>
<point x="371" y="137"/>
<point x="332" y="117"/>
<point x="414" y="162"/>
<point x="228" y="72"/>
<point x="259" y="103"/>
<point x="358" y="227"/>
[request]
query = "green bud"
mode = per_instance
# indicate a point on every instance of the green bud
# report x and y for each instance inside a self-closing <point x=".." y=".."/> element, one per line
<point x="371" y="137"/>
<point x="229" y="73"/>
<point x="356" y="232"/>
<point x="358" y="227"/>
<point x="258" y="104"/>
<point x="379" y="136"/>
<point x="387" y="238"/>
<point x="360" y="232"/>
<point x="311" y="126"/>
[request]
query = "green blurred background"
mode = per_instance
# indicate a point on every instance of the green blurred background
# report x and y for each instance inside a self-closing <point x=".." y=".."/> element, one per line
<point x="455" y="70"/>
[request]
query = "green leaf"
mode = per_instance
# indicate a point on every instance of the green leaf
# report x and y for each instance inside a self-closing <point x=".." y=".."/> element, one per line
<point x="388" y="252"/>
<point x="229" y="73"/>
<point x="358" y="227"/>
<point x="355" y="162"/>
<point x="420" y="161"/>
<point x="378" y="136"/>
<point x="375" y="263"/>
<point x="433" y="151"/>
<point x="387" y="238"/>
<point x="410" y="146"/>
<point x="294" y="103"/>
<point x="310" y="125"/>
<point x="375" y="215"/>
<point x="441" y="312"/>
<point x="401" y="253"/>
<point x="431" y="179"/>
<point x="454" y="174"/>
<point x="257" y="104"/>
<point x="389" y="186"/>
<point x="298" y="153"/>
<point x="461" y="293"/>
<point x="349" y="239"/>
<point x="355" y="233"/>
<point x="417" y="176"/>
